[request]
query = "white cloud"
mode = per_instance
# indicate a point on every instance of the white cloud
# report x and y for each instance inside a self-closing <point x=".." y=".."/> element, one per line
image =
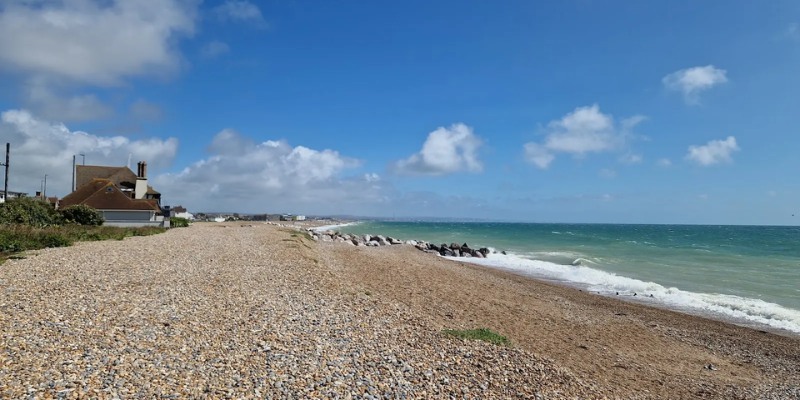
<point x="664" y="162"/>
<point x="228" y="142"/>
<point x="584" y="130"/>
<point x="538" y="155"/>
<point x="713" y="152"/>
<point x="58" y="46"/>
<point x="692" y="81"/>
<point x="58" y="106"/>
<point x="215" y="48"/>
<point x="629" y="123"/>
<point x="271" y="176"/>
<point x="240" y="10"/>
<point x="445" y="151"/>
<point x="372" y="177"/>
<point x="40" y="147"/>
<point x="102" y="41"/>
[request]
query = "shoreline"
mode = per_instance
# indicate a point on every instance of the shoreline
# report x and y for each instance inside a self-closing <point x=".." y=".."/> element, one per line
<point x="747" y="312"/>
<point x="260" y="310"/>
<point x="600" y="337"/>
<point x="645" y="301"/>
<point x="642" y="300"/>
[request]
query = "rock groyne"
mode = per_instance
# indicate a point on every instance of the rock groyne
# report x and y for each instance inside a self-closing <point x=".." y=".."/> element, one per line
<point x="444" y="249"/>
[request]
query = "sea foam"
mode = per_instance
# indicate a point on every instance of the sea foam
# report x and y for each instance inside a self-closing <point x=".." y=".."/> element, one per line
<point x="728" y="307"/>
<point x="333" y="227"/>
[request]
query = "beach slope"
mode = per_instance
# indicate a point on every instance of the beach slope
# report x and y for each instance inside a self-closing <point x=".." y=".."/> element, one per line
<point x="253" y="311"/>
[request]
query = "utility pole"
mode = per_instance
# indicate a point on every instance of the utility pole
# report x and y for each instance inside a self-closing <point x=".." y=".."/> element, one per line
<point x="44" y="191"/>
<point x="73" y="172"/>
<point x="5" y="186"/>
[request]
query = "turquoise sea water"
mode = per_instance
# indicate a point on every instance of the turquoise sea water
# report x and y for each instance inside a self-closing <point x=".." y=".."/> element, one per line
<point x="748" y="274"/>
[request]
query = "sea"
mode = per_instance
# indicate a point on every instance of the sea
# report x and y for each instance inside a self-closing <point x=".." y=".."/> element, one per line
<point x="748" y="275"/>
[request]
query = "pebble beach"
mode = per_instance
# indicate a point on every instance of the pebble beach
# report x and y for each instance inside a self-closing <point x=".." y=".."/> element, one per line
<point x="240" y="310"/>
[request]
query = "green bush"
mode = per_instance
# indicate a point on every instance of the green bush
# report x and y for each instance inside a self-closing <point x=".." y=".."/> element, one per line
<point x="178" y="222"/>
<point x="82" y="215"/>
<point x="28" y="211"/>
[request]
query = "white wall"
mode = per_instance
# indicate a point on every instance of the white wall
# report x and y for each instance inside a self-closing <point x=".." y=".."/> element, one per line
<point x="186" y="215"/>
<point x="141" y="188"/>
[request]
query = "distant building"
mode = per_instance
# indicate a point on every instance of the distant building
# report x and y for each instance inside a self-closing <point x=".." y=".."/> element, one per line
<point x="180" y="212"/>
<point x="11" y="195"/>
<point x="290" y="217"/>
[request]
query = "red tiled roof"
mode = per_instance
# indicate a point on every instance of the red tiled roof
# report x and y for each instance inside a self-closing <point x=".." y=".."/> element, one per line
<point x="85" y="173"/>
<point x="102" y="194"/>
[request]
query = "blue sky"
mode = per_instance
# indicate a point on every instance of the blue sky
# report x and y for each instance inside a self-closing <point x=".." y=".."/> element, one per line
<point x="570" y="111"/>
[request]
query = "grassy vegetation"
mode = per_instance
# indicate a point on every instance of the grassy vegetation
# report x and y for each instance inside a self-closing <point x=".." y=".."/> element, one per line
<point x="298" y="238"/>
<point x="19" y="238"/>
<point x="178" y="222"/>
<point x="302" y="235"/>
<point x="31" y="224"/>
<point x="484" y="334"/>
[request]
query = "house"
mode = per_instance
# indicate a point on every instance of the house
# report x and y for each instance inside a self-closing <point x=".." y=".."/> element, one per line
<point x="180" y="212"/>
<point x="134" y="185"/>
<point x="124" y="198"/>
<point x="11" y="195"/>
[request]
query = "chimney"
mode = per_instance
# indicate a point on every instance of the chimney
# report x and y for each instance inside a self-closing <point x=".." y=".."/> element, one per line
<point x="141" y="181"/>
